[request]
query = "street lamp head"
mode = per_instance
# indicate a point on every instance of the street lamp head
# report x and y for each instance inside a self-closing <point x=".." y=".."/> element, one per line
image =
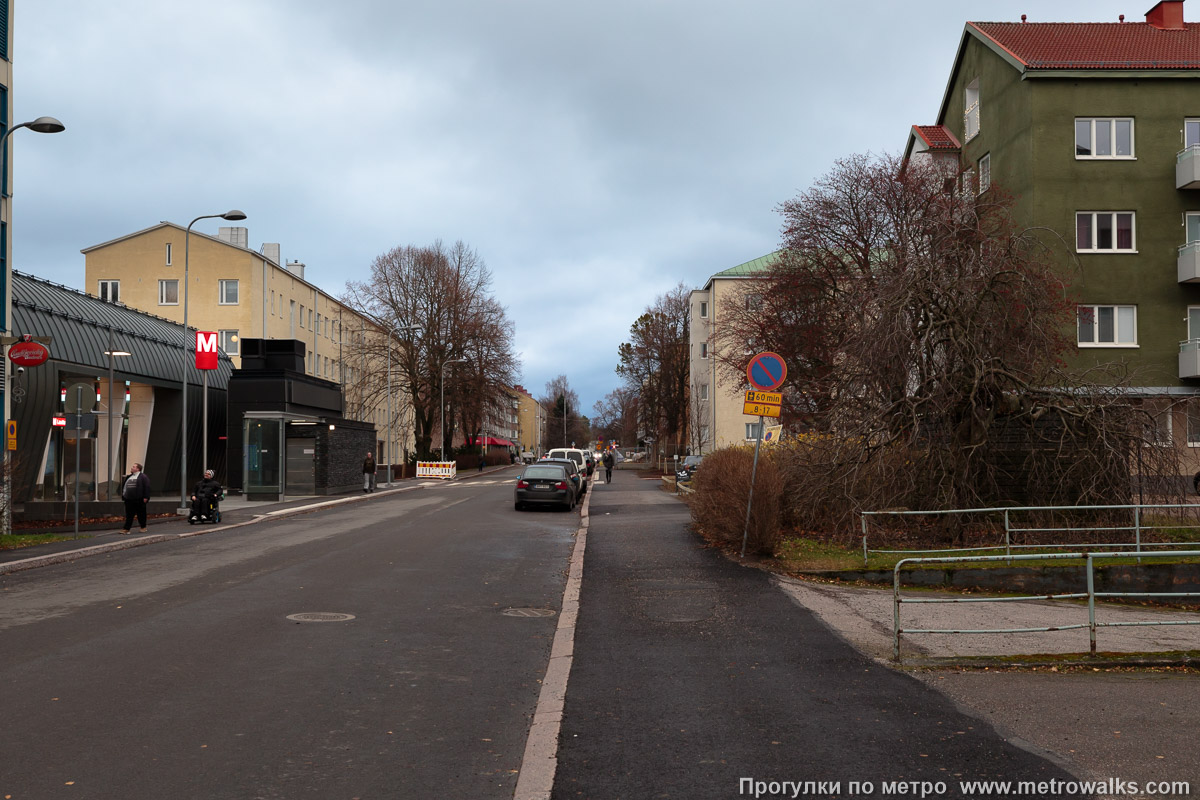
<point x="233" y="215"/>
<point x="46" y="125"/>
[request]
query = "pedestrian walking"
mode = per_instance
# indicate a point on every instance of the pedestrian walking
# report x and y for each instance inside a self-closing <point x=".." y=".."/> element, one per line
<point x="135" y="492"/>
<point x="608" y="466"/>
<point x="369" y="472"/>
<point x="482" y="462"/>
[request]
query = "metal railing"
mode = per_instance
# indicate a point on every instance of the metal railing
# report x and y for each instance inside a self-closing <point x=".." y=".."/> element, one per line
<point x="1091" y="594"/>
<point x="1139" y="525"/>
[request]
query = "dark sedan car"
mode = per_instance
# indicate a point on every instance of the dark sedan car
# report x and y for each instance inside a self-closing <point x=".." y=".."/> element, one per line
<point x="578" y="476"/>
<point x="547" y="483"/>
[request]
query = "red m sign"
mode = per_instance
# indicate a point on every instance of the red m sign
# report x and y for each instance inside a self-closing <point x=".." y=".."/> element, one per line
<point x="206" y="350"/>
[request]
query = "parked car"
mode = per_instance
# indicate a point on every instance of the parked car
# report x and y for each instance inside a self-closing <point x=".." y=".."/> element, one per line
<point x="688" y="467"/>
<point x="578" y="478"/>
<point x="576" y="455"/>
<point x="544" y="483"/>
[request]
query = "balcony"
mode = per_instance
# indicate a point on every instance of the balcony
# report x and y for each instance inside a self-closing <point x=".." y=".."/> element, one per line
<point x="1187" y="168"/>
<point x="1189" y="263"/>
<point x="1189" y="358"/>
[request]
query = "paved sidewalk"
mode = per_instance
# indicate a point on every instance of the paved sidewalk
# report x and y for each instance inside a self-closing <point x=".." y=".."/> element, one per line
<point x="864" y="617"/>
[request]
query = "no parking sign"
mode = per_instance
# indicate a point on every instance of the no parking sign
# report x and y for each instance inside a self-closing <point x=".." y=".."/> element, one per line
<point x="766" y="371"/>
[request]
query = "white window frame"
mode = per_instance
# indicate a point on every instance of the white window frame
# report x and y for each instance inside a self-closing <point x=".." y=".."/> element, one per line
<point x="1191" y="227"/>
<point x="985" y="172"/>
<point x="752" y="430"/>
<point x="971" y="123"/>
<point x="230" y="342"/>
<point x="1191" y="132"/>
<point x="1118" y="332"/>
<point x="1093" y="123"/>
<point x="703" y="391"/>
<point x="1095" y="215"/>
<point x="1163" y="428"/>
<point x="223" y="287"/>
<point x="109" y="291"/>
<point x="704" y="350"/>
<point x="703" y="309"/>
<point x="168" y="254"/>
<point x="163" y="283"/>
<point x="1192" y="424"/>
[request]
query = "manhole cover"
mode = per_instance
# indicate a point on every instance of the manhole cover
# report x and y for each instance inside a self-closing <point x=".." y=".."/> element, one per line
<point x="528" y="612"/>
<point x="320" y="616"/>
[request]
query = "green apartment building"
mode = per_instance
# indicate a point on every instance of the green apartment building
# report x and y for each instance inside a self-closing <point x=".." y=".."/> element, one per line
<point x="1094" y="128"/>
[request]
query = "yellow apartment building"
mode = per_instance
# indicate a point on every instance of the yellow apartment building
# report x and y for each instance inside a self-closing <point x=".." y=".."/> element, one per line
<point x="531" y="421"/>
<point x="240" y="292"/>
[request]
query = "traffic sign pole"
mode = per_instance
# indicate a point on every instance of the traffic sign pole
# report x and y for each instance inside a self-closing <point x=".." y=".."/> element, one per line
<point x="753" y="474"/>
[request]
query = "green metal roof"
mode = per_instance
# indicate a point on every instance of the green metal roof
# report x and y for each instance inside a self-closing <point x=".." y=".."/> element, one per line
<point x="751" y="269"/>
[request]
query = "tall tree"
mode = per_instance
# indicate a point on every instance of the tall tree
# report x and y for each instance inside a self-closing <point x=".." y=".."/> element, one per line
<point x="654" y="365"/>
<point x="563" y="422"/>
<point x="446" y="292"/>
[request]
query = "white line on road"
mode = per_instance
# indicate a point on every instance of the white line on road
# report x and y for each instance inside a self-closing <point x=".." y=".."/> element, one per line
<point x="536" y="778"/>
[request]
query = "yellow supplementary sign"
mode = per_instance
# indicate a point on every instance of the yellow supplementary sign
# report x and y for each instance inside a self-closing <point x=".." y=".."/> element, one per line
<point x="12" y="434"/>
<point x="760" y="410"/>
<point x="764" y="398"/>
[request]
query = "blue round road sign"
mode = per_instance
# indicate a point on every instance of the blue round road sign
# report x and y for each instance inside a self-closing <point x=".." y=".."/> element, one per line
<point x="766" y="371"/>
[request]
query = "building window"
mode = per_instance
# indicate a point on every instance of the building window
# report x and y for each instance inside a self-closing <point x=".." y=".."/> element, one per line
<point x="1104" y="232"/>
<point x="1191" y="133"/>
<point x="168" y="254"/>
<point x="168" y="292"/>
<point x="985" y="173"/>
<point x="1193" y="423"/>
<point x="310" y="317"/>
<point x="1103" y="137"/>
<point x="229" y="343"/>
<point x="1192" y="227"/>
<point x="704" y="349"/>
<point x="228" y="293"/>
<point x="704" y="391"/>
<point x="1107" y="326"/>
<point x="703" y="310"/>
<point x="1157" y="430"/>
<point x="301" y="315"/>
<point x="752" y="430"/>
<point x="753" y="302"/>
<point x="967" y="187"/>
<point x="971" y="111"/>
<point x="110" y="291"/>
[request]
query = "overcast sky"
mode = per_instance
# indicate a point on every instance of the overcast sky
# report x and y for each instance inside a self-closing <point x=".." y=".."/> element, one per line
<point x="594" y="154"/>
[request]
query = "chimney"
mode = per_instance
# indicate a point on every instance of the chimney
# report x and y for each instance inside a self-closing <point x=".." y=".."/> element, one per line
<point x="270" y="251"/>
<point x="296" y="268"/>
<point x="238" y="237"/>
<point x="1167" y="15"/>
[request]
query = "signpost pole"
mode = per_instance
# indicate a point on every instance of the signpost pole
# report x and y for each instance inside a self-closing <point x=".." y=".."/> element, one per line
<point x="753" y="474"/>
<point x="204" y="427"/>
<point x="78" y="447"/>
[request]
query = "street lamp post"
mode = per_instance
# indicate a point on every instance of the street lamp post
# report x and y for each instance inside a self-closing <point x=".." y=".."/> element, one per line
<point x="442" y="430"/>
<point x="234" y="215"/>
<point x="111" y="353"/>
<point x="39" y="125"/>
<point x="390" y="457"/>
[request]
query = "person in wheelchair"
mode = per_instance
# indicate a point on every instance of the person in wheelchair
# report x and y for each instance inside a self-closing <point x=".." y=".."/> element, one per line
<point x="206" y="498"/>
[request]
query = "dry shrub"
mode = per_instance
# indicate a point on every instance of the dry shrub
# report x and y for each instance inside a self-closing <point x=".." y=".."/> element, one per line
<point x="722" y="487"/>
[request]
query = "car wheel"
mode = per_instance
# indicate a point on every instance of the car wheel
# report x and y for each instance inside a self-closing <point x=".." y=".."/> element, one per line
<point x="518" y="507"/>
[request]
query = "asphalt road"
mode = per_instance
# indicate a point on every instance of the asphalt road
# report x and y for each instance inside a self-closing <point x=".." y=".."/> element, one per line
<point x="173" y="671"/>
<point x="693" y="675"/>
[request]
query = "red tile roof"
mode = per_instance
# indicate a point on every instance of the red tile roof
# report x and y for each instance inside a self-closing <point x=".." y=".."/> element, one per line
<point x="1095" y="45"/>
<point x="937" y="137"/>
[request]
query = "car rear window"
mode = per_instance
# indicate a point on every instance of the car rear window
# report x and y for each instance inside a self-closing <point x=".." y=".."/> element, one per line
<point x="545" y="471"/>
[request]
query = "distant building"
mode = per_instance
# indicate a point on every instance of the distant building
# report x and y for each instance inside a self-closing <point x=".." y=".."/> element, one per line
<point x="531" y="421"/>
<point x="715" y="417"/>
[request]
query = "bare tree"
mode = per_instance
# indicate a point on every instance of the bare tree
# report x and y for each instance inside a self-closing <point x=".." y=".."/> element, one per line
<point x="563" y="422"/>
<point x="616" y="416"/>
<point x="925" y="335"/>
<point x="445" y="291"/>
<point x="654" y="365"/>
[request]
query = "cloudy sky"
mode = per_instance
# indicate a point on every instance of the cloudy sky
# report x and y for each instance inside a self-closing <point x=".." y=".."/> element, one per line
<point x="596" y="155"/>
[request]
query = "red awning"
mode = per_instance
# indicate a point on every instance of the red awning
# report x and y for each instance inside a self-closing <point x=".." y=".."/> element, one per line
<point x="489" y="441"/>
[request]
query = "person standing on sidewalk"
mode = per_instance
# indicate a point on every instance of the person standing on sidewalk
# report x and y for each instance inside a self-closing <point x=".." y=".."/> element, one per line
<point x="135" y="492"/>
<point x="369" y="472"/>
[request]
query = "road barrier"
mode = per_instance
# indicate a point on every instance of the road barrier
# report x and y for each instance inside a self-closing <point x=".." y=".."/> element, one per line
<point x="443" y="470"/>
<point x="1091" y="594"/>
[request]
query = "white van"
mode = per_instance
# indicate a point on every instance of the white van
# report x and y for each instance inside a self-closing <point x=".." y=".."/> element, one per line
<point x="578" y="456"/>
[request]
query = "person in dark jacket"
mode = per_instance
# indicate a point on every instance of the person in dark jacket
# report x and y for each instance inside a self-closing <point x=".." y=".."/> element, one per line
<point x="608" y="466"/>
<point x="135" y="491"/>
<point x="205" y="495"/>
<point x="369" y="472"/>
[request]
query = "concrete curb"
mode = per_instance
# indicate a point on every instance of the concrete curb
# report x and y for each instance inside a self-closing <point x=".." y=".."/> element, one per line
<point x="66" y="556"/>
<point x="540" y="761"/>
